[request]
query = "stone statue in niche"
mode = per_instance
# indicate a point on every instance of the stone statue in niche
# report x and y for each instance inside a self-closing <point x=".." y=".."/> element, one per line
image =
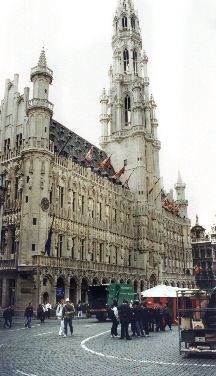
<point x="9" y="189"/>
<point x="17" y="235"/>
<point x="20" y="184"/>
<point x="42" y="182"/>
<point x="30" y="182"/>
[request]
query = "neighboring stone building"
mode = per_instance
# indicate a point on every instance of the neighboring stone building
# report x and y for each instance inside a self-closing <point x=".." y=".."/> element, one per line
<point x="203" y="256"/>
<point x="102" y="231"/>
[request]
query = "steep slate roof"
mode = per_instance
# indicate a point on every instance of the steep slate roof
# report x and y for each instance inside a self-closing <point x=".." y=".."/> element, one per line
<point x="76" y="147"/>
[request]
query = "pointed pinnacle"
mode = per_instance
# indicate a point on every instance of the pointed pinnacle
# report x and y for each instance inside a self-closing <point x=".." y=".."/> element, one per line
<point x="42" y="59"/>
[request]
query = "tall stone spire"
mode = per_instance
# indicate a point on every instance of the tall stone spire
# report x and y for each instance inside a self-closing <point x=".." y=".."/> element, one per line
<point x="132" y="122"/>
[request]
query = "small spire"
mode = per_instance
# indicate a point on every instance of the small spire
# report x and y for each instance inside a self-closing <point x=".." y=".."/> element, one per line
<point x="42" y="59"/>
<point x="197" y="220"/>
<point x="179" y="179"/>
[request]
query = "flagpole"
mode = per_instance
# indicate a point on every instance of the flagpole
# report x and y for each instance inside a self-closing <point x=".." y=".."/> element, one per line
<point x="69" y="135"/>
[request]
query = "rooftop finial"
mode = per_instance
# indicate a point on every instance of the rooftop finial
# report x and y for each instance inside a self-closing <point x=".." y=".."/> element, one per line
<point x="42" y="59"/>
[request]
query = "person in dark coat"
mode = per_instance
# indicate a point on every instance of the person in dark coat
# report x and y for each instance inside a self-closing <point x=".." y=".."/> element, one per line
<point x="124" y="312"/>
<point x="145" y="318"/>
<point x="151" y="310"/>
<point x="138" y="317"/>
<point x="29" y="313"/>
<point x="167" y="317"/>
<point x="7" y="315"/>
<point x="159" y="318"/>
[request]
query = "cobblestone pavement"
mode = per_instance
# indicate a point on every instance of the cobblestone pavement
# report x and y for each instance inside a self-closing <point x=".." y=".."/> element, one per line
<point x="41" y="351"/>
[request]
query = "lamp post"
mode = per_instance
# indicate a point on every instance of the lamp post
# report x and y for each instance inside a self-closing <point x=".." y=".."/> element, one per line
<point x="2" y="195"/>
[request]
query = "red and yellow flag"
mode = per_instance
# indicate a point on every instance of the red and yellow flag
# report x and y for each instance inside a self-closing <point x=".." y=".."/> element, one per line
<point x="104" y="164"/>
<point x="119" y="173"/>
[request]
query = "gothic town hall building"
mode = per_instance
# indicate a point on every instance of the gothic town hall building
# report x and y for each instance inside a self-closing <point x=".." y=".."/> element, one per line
<point x="109" y="224"/>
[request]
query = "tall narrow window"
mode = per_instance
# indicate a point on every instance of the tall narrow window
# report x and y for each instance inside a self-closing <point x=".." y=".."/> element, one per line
<point x="61" y="196"/>
<point x="73" y="202"/>
<point x="133" y="23"/>
<point x="72" y="249"/>
<point x="135" y="61"/>
<point x="116" y="254"/>
<point x="60" y="246"/>
<point x="124" y="22"/>
<point x="82" y="204"/>
<point x="127" y="111"/>
<point x="82" y="249"/>
<point x="126" y="60"/>
<point x="129" y="260"/>
<point x="101" y="252"/>
<point x="13" y="244"/>
<point x="100" y="211"/>
<point x="16" y="187"/>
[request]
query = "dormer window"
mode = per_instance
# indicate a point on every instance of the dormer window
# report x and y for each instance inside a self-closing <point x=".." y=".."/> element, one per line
<point x="135" y="61"/>
<point x="126" y="60"/>
<point x="124" y="22"/>
<point x="127" y="111"/>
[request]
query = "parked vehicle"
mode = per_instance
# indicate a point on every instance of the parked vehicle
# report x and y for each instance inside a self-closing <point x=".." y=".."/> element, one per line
<point x="100" y="298"/>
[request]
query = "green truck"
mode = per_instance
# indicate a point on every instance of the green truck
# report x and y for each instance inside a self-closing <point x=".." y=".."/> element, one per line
<point x="100" y="298"/>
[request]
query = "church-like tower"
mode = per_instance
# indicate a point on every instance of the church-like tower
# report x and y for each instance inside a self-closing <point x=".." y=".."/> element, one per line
<point x="128" y="118"/>
<point x="181" y="202"/>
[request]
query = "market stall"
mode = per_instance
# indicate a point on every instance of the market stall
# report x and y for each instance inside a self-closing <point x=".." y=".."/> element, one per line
<point x="164" y="294"/>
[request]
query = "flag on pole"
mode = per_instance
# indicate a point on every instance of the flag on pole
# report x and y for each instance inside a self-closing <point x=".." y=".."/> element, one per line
<point x="150" y="191"/>
<point x="49" y="238"/>
<point x="127" y="180"/>
<point x="88" y="157"/>
<point x="48" y="242"/>
<point x="119" y="173"/>
<point x="104" y="164"/>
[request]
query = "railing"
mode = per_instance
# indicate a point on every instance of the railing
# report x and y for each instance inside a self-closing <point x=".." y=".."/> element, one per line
<point x="37" y="102"/>
<point x="38" y="69"/>
<point x="7" y="264"/>
<point x="38" y="260"/>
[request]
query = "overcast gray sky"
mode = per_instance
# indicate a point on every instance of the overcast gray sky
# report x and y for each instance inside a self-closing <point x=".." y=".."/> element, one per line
<point x="179" y="37"/>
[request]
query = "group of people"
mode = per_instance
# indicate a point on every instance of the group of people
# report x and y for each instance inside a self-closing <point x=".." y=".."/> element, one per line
<point x="65" y="313"/>
<point x="43" y="311"/>
<point x="143" y="317"/>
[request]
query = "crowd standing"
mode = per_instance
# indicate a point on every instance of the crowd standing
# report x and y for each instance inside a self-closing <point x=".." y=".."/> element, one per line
<point x="144" y="317"/>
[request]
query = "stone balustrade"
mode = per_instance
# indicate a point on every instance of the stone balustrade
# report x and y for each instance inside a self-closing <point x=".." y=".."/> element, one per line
<point x="36" y="102"/>
<point x="66" y="262"/>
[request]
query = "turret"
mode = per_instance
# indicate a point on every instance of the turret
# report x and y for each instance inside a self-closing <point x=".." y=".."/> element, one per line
<point x="180" y="194"/>
<point x="39" y="109"/>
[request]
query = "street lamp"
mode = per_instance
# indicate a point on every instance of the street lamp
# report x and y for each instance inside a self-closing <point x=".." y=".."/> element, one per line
<point x="2" y="195"/>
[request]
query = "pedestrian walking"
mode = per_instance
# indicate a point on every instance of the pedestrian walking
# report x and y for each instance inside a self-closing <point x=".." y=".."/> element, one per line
<point x="151" y="310"/>
<point x="125" y="313"/>
<point x="59" y="309"/>
<point x="145" y="318"/>
<point x="48" y="310"/>
<point x="167" y="317"/>
<point x="7" y="315"/>
<point x="40" y="313"/>
<point x="28" y="314"/>
<point x="67" y="315"/>
<point x="79" y="309"/>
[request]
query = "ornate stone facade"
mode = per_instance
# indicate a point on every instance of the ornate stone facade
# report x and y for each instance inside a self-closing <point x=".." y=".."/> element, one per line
<point x="102" y="231"/>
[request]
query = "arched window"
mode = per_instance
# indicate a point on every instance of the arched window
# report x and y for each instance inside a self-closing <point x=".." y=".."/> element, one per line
<point x="124" y="22"/>
<point x="126" y="60"/>
<point x="133" y="23"/>
<point x="127" y="110"/>
<point x="135" y="61"/>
